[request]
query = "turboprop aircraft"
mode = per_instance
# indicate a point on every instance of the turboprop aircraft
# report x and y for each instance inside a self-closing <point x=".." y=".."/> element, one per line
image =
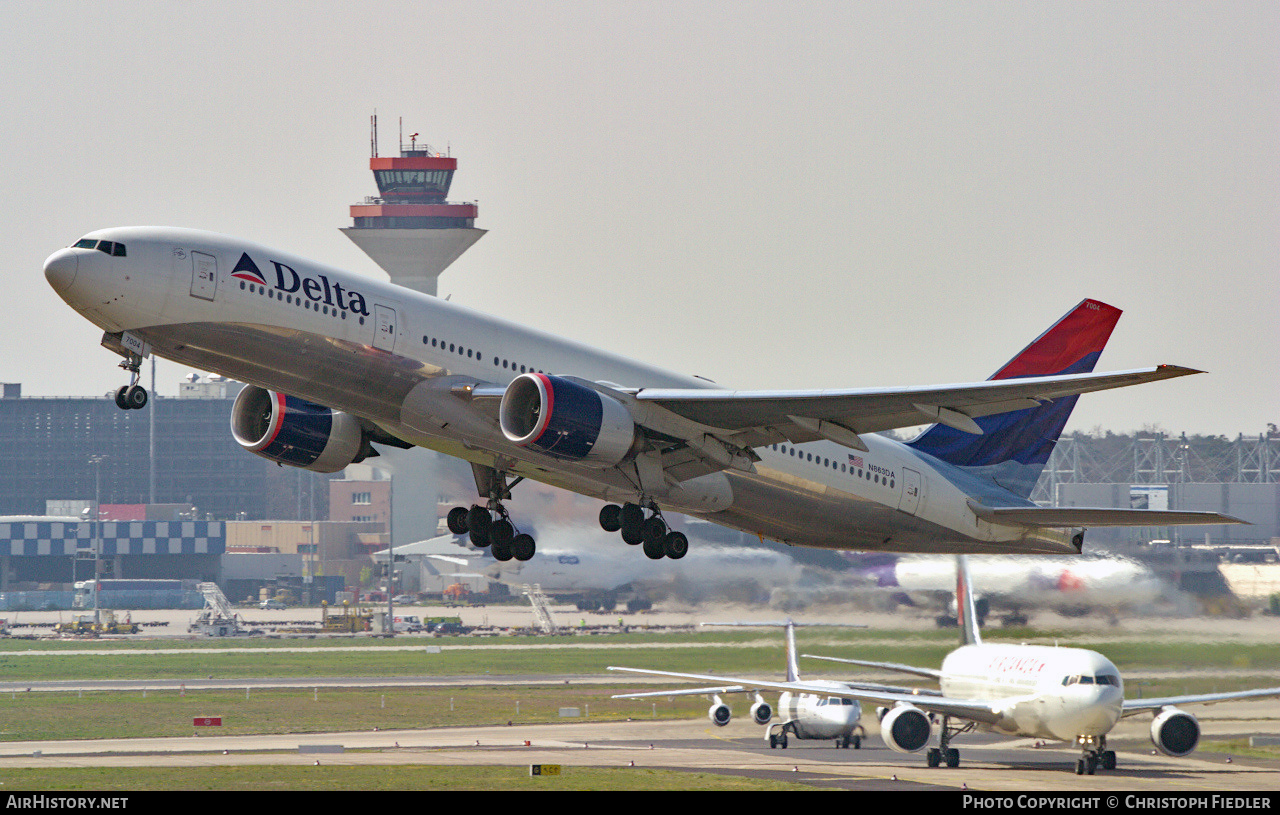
<point x="1033" y="691"/>
<point x="337" y="363"/>
<point x="813" y="714"/>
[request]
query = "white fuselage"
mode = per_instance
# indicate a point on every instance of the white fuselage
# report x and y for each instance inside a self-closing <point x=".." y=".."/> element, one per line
<point x="390" y="356"/>
<point x="1044" y="691"/>
<point x="813" y="716"/>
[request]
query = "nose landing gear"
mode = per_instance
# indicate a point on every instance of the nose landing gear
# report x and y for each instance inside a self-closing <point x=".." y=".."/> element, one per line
<point x="132" y="396"/>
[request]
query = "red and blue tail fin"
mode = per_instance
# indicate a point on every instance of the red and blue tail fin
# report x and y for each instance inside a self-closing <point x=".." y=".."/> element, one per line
<point x="1014" y="447"/>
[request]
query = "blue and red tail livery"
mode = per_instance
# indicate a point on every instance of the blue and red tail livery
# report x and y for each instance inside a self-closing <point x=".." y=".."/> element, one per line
<point x="1014" y="447"/>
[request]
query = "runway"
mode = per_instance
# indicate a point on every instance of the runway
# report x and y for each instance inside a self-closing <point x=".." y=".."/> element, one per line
<point x="986" y="763"/>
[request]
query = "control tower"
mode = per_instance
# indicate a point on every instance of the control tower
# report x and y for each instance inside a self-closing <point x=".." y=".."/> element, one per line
<point x="409" y="229"/>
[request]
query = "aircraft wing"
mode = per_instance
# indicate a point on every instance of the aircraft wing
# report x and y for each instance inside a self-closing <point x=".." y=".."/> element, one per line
<point x="970" y="709"/>
<point x="1100" y="516"/>
<point x="840" y="415"/>
<point x="696" y="431"/>
<point x="685" y="692"/>
<point x="1133" y="706"/>
<point x="927" y="673"/>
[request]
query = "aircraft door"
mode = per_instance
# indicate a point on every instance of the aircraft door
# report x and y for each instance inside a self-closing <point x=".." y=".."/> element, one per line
<point x="912" y="489"/>
<point x="204" y="275"/>
<point x="384" y="327"/>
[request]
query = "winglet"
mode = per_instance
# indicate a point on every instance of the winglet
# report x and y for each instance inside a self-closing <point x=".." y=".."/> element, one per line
<point x="966" y="615"/>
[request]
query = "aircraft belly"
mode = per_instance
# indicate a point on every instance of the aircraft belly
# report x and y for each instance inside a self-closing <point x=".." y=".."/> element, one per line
<point x="347" y="376"/>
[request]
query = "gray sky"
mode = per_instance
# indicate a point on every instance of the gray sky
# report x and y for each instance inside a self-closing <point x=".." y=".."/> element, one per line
<point x="769" y="194"/>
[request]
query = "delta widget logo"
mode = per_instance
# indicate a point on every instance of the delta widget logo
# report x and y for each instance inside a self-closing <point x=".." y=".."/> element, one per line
<point x="247" y="270"/>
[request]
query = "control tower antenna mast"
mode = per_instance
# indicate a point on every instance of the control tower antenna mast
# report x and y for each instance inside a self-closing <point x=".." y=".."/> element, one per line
<point x="409" y="229"/>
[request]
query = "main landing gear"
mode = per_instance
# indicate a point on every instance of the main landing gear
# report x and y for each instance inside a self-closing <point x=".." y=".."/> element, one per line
<point x="491" y="525"/>
<point x="651" y="533"/>
<point x="132" y="396"/>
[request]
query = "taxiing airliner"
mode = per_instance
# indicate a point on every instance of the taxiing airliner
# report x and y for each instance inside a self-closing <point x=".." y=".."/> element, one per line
<point x="1034" y="691"/>
<point x="337" y="363"/>
<point x="812" y="714"/>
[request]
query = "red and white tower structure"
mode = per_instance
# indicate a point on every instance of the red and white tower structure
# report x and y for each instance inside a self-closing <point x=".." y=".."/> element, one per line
<point x="410" y="229"/>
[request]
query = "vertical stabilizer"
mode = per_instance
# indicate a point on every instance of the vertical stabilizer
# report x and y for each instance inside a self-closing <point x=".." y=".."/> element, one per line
<point x="793" y="665"/>
<point x="1014" y="447"/>
<point x="966" y="616"/>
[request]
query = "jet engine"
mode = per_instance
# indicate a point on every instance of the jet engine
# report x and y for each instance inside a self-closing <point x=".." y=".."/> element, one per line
<point x="905" y="729"/>
<point x="761" y="711"/>
<point x="564" y="419"/>
<point x="293" y="431"/>
<point x="1175" y="732"/>
<point x="719" y="713"/>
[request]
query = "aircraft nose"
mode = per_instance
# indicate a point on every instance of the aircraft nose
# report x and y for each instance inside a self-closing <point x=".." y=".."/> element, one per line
<point x="60" y="269"/>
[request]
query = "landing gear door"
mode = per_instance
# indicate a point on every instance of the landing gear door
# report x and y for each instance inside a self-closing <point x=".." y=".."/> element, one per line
<point x="204" y="275"/>
<point x="384" y="328"/>
<point x="912" y="490"/>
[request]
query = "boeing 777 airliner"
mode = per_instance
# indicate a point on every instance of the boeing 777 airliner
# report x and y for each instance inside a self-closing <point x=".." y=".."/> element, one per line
<point x="337" y="363"/>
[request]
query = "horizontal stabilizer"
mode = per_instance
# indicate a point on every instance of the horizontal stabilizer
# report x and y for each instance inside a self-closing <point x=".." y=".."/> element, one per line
<point x="1096" y="516"/>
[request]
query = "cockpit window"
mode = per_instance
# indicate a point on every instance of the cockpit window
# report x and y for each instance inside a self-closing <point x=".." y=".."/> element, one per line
<point x="113" y="248"/>
<point x="1108" y="679"/>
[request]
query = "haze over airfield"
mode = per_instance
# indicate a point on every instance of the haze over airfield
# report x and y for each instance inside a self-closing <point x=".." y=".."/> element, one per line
<point x="771" y="195"/>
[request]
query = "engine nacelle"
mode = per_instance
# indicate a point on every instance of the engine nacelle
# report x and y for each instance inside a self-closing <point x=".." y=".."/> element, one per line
<point x="761" y="711"/>
<point x="293" y="431"/>
<point x="905" y="729"/>
<point x="566" y="420"/>
<point x="719" y="713"/>
<point x="1175" y="732"/>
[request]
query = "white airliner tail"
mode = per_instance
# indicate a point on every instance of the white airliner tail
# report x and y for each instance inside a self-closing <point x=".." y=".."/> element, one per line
<point x="966" y="615"/>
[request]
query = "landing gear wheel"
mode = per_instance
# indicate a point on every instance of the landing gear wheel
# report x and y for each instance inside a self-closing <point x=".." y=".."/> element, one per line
<point x="933" y="757"/>
<point x="120" y="402"/>
<point x="477" y="539"/>
<point x="502" y="533"/>
<point x="1080" y="766"/>
<point x="501" y="550"/>
<point x="523" y="547"/>
<point x="135" y="397"/>
<point x="653" y="531"/>
<point x="479" y="521"/>
<point x="653" y="549"/>
<point x="952" y="757"/>
<point x="675" y="545"/>
<point x="1108" y="759"/>
<point x="857" y="742"/>
<point x="631" y="522"/>
<point x="457" y="520"/>
<point x="611" y="517"/>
